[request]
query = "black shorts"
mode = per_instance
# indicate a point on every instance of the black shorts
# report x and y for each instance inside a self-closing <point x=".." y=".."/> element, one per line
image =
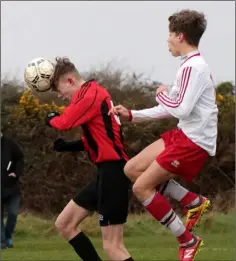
<point x="108" y="194"/>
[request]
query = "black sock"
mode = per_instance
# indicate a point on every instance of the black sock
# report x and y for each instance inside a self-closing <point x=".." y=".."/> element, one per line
<point x="129" y="259"/>
<point x="84" y="248"/>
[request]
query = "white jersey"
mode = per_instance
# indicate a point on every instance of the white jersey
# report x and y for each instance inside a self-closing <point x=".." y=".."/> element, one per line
<point x="192" y="100"/>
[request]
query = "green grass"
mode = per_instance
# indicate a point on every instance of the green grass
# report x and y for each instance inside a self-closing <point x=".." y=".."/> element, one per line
<point x="36" y="239"/>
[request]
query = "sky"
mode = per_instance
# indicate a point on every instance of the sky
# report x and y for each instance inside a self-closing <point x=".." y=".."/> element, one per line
<point x="130" y="34"/>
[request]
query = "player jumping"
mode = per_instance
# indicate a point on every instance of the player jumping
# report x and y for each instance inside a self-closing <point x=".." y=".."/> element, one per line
<point x="181" y="152"/>
<point x="102" y="138"/>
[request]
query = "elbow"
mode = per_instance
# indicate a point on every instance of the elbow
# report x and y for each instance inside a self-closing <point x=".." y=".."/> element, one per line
<point x="180" y="112"/>
<point x="184" y="113"/>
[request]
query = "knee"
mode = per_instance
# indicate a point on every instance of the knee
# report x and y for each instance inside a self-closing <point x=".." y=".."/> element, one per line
<point x="63" y="227"/>
<point x="130" y="170"/>
<point x="138" y="190"/>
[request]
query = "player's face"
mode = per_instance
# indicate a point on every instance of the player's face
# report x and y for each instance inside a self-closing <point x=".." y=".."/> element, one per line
<point x="174" y="42"/>
<point x="64" y="89"/>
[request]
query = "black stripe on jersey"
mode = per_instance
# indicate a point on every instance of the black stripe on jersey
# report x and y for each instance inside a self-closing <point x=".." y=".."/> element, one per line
<point x="85" y="87"/>
<point x="83" y="90"/>
<point x="108" y="126"/>
<point x="91" y="142"/>
<point x="121" y="135"/>
<point x="81" y="93"/>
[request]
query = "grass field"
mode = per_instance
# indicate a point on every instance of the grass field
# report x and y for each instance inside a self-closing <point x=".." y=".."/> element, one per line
<point x="36" y="239"/>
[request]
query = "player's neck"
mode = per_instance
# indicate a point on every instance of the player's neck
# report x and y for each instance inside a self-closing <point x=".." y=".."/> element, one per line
<point x="188" y="49"/>
<point x="76" y="87"/>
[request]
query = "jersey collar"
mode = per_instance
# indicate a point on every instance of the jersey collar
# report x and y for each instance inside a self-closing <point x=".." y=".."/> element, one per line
<point x="189" y="55"/>
<point x="76" y="94"/>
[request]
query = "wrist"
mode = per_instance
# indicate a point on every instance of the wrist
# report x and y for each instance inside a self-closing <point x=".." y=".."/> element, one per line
<point x="49" y="117"/>
<point x="130" y="115"/>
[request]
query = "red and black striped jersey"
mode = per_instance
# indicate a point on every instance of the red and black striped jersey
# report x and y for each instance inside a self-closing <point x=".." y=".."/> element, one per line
<point x="89" y="109"/>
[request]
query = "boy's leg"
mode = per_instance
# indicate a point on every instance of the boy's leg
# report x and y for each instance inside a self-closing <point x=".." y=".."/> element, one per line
<point x="12" y="206"/>
<point x="113" y="243"/>
<point x="138" y="164"/>
<point x="159" y="207"/>
<point x="194" y="204"/>
<point x="185" y="159"/>
<point x="72" y="215"/>
<point x="3" y="232"/>
<point x="113" y="208"/>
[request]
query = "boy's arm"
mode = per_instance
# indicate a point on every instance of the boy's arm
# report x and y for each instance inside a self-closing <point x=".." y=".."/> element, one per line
<point x="76" y="114"/>
<point x="191" y="87"/>
<point x="155" y="113"/>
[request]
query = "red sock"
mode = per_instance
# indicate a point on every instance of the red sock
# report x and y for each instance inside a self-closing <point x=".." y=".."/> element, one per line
<point x="188" y="198"/>
<point x="159" y="207"/>
<point x="186" y="237"/>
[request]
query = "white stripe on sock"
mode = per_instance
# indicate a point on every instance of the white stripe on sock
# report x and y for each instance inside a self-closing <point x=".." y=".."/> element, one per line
<point x="194" y="202"/>
<point x="175" y="190"/>
<point x="177" y="227"/>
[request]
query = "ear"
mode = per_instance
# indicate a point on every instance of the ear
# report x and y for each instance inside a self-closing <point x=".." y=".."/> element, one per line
<point x="70" y="80"/>
<point x="180" y="37"/>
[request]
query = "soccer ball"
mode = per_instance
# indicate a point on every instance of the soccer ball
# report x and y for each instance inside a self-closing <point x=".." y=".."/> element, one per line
<point x="38" y="74"/>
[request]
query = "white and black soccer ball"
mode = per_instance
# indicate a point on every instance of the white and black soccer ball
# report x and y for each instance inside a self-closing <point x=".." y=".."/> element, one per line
<point x="38" y="74"/>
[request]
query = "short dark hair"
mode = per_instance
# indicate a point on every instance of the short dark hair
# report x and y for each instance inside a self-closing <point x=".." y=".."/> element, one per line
<point x="189" y="22"/>
<point x="63" y="66"/>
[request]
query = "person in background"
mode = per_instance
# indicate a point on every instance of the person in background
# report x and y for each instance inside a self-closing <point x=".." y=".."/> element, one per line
<point x="12" y="164"/>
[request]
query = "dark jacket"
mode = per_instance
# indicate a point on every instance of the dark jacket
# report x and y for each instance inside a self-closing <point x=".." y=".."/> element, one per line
<point x="12" y="160"/>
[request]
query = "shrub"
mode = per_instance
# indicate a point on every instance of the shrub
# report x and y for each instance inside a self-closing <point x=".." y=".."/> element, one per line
<point x="51" y="178"/>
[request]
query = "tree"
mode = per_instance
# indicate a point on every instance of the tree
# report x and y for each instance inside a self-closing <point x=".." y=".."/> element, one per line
<point x="225" y="88"/>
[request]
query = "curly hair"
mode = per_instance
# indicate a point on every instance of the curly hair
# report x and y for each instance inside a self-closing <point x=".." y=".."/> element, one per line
<point x="63" y="66"/>
<point x="189" y="22"/>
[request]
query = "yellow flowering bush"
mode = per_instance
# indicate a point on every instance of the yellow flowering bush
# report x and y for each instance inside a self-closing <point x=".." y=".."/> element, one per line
<point x="219" y="98"/>
<point x="29" y="106"/>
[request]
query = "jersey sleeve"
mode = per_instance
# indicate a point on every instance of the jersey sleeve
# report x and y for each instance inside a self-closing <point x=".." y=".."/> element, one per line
<point x="190" y="89"/>
<point x="79" y="112"/>
<point x="154" y="113"/>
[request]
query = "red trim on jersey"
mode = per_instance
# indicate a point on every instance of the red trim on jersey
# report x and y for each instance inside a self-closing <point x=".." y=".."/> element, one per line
<point x="183" y="87"/>
<point x="196" y="54"/>
<point x="130" y="115"/>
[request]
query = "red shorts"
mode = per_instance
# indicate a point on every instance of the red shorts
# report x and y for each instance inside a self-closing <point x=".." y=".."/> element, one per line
<point x="181" y="156"/>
